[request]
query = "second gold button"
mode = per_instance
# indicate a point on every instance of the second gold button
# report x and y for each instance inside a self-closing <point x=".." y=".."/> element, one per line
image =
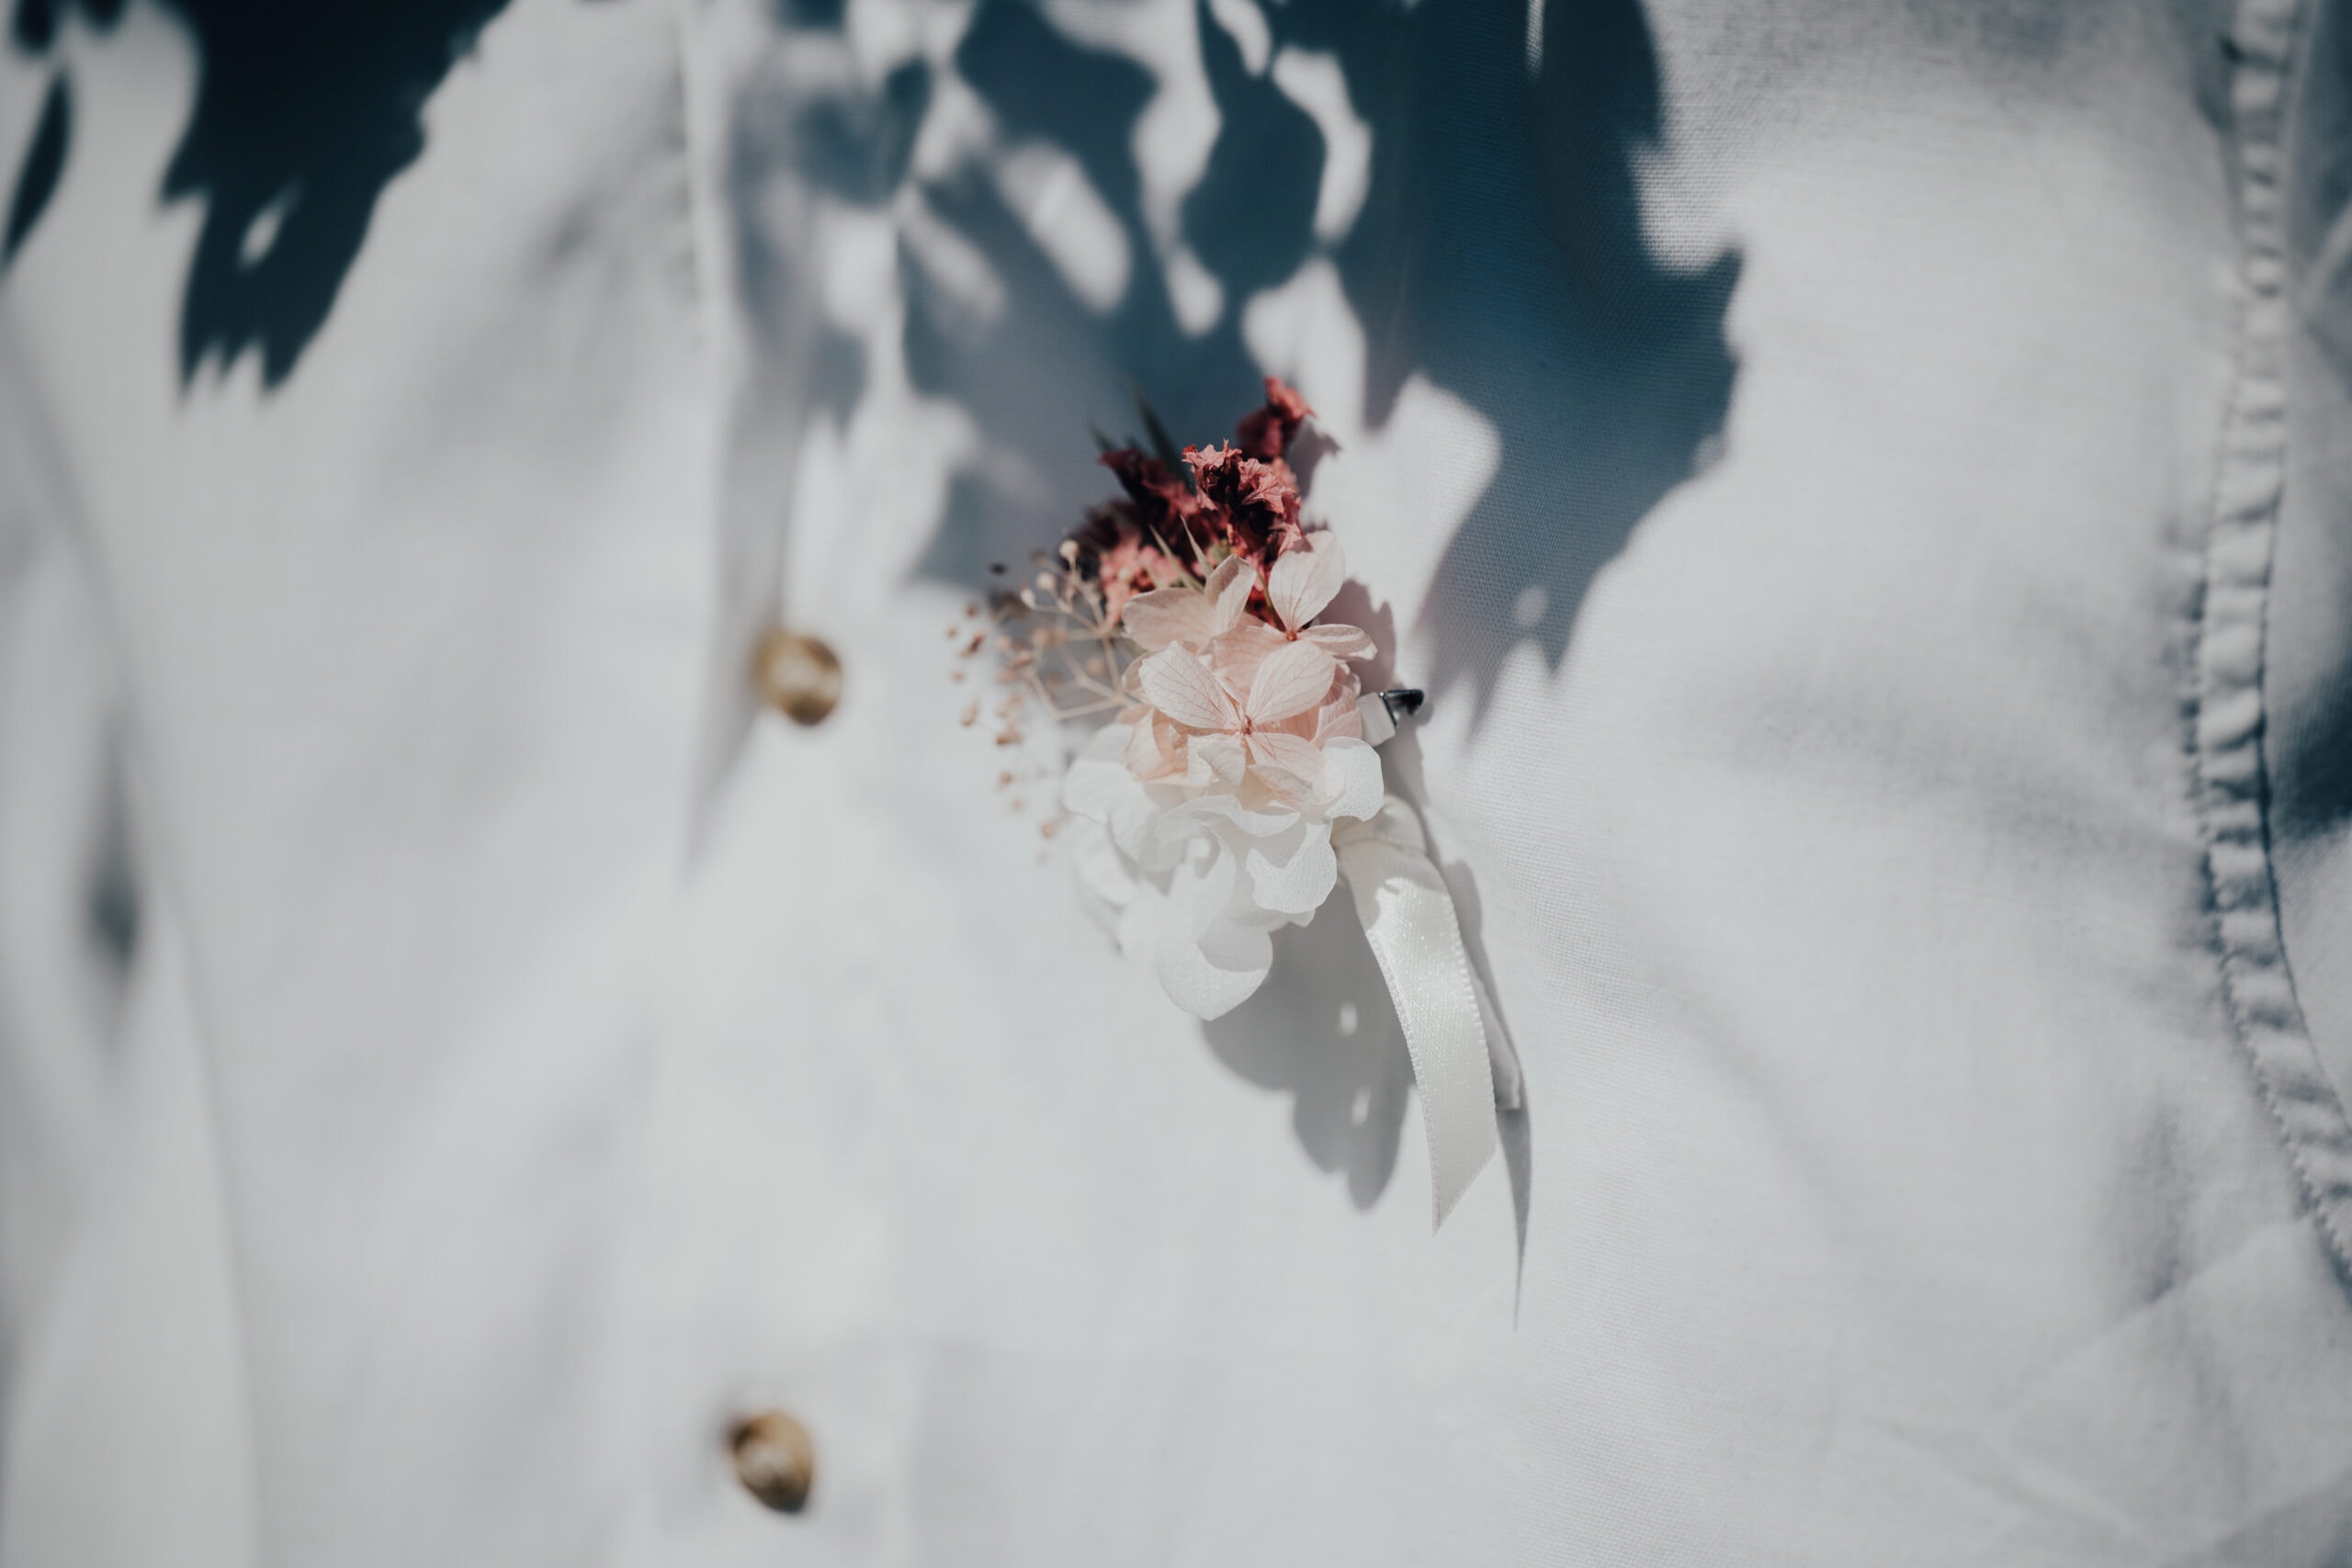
<point x="775" y="1460"/>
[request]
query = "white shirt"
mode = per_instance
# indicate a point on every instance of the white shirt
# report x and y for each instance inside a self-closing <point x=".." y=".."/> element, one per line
<point x="1826" y="467"/>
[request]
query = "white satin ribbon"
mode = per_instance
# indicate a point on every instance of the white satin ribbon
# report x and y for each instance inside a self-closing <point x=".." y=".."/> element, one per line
<point x="1463" y="1062"/>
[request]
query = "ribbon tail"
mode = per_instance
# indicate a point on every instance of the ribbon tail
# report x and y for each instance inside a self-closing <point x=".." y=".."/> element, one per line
<point x="1409" y="919"/>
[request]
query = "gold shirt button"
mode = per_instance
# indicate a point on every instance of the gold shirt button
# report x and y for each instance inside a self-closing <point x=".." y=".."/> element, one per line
<point x="774" y="1459"/>
<point x="797" y="676"/>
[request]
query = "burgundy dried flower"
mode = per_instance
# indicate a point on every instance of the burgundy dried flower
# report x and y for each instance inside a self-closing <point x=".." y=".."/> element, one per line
<point x="1266" y="434"/>
<point x="1255" y="502"/>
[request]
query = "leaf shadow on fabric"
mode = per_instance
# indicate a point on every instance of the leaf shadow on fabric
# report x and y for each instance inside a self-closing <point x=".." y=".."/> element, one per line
<point x="44" y="165"/>
<point x="1044" y="365"/>
<point x="303" y="114"/>
<point x="1502" y="254"/>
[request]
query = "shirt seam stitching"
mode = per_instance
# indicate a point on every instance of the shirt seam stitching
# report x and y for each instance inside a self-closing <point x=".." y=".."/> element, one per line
<point x="2228" y="709"/>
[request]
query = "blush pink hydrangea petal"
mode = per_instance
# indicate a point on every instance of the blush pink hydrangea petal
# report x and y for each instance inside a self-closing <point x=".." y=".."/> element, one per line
<point x="1290" y="767"/>
<point x="1214" y="758"/>
<point x="1236" y="654"/>
<point x="1306" y="579"/>
<point x="1291" y="680"/>
<point x="1167" y="616"/>
<point x="1175" y="681"/>
<point x="1340" y="641"/>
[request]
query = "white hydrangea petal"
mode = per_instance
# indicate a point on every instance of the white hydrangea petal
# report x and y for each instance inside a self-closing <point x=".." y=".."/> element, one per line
<point x="1292" y="679"/>
<point x="1099" y="787"/>
<point x="1203" y="885"/>
<point x="1305" y="577"/>
<point x="1351" y="778"/>
<point x="1141" y="922"/>
<point x="1295" y="877"/>
<point x="1103" y="745"/>
<point x="1206" y="985"/>
<point x="1209" y="813"/>
<point x="1141" y="752"/>
<point x="1165" y="616"/>
<point x="1107" y="875"/>
<point x="1209" y="967"/>
<point x="1097" y="780"/>
<point x="1144" y="838"/>
<point x="1175" y="681"/>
